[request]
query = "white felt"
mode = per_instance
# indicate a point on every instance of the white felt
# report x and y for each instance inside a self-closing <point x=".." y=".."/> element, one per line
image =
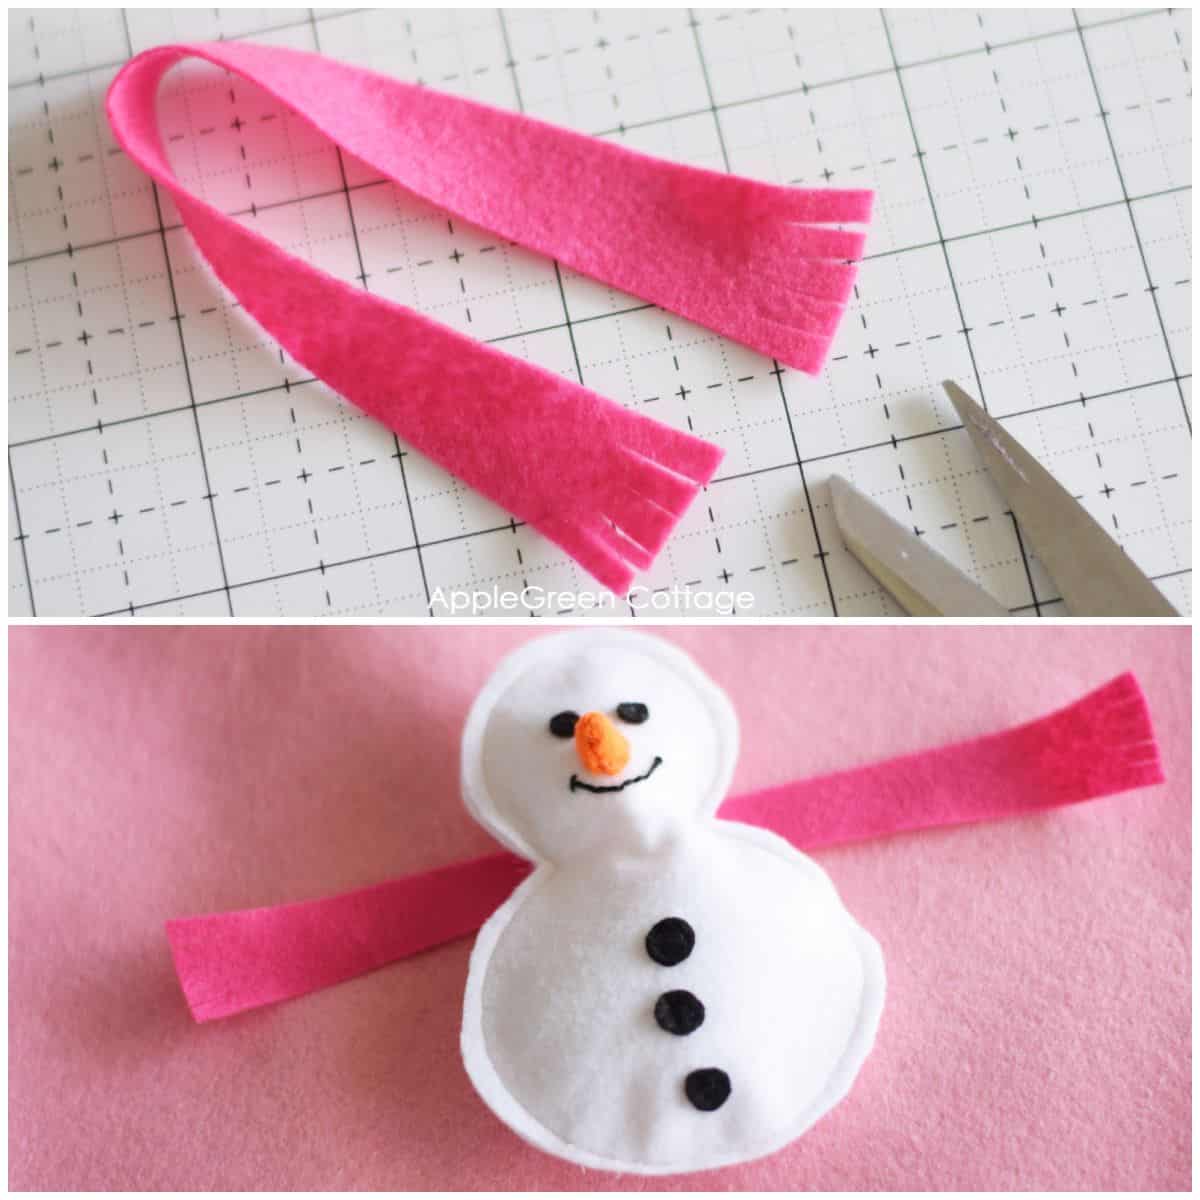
<point x="559" y="1036"/>
<point x="516" y="774"/>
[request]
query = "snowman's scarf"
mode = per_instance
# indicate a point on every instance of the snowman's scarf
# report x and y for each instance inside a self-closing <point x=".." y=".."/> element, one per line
<point x="762" y="264"/>
<point x="1101" y="744"/>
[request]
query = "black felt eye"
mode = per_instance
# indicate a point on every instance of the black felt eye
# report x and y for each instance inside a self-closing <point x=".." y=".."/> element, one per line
<point x="633" y="713"/>
<point x="563" y="724"/>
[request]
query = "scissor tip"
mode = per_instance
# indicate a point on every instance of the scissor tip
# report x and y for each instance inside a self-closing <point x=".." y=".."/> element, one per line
<point x="840" y="491"/>
<point x="965" y="405"/>
<point x="955" y="392"/>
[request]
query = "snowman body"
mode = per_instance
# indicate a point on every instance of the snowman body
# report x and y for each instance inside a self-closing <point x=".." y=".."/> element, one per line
<point x="667" y="992"/>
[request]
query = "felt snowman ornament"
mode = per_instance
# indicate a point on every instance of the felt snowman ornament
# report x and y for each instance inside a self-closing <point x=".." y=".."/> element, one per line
<point x="667" y="991"/>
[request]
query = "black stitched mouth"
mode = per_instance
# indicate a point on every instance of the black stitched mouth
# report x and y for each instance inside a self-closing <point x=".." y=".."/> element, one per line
<point x="576" y="782"/>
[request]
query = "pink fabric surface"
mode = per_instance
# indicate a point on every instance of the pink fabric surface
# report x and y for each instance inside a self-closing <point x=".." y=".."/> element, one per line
<point x="1037" y="1030"/>
<point x="736" y="255"/>
<point x="1100" y="744"/>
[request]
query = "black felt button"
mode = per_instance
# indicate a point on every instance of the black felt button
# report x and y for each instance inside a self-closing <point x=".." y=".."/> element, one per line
<point x="633" y="712"/>
<point x="707" y="1088"/>
<point x="679" y="1012"/>
<point x="670" y="941"/>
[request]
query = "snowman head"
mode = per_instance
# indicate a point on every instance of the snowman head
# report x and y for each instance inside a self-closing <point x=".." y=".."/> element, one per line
<point x="596" y="741"/>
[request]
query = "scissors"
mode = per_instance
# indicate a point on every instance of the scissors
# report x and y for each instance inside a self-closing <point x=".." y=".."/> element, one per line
<point x="1094" y="575"/>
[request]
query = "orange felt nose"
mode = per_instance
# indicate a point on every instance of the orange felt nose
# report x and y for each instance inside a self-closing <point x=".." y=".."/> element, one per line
<point x="601" y="747"/>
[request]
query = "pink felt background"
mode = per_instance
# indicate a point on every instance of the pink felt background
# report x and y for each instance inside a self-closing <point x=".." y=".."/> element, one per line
<point x="1037" y="1033"/>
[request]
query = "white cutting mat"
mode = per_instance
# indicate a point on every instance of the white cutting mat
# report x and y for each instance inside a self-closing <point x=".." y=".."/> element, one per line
<point x="1032" y="241"/>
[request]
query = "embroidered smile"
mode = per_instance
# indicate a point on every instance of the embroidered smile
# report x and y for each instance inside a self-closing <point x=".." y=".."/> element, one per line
<point x="576" y="782"/>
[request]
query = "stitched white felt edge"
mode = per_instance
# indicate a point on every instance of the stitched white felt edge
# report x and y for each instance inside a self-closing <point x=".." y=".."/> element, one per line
<point x="475" y="790"/>
<point x="498" y="1098"/>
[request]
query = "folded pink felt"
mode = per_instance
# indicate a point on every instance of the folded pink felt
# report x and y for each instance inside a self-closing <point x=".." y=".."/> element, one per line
<point x="753" y="261"/>
<point x="1102" y="744"/>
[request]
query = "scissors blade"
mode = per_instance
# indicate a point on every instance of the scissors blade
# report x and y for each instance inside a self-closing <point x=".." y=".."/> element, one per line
<point x="1095" y="577"/>
<point x="923" y="582"/>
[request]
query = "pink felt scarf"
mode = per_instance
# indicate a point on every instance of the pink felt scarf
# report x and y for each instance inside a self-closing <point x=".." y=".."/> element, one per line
<point x="1102" y="744"/>
<point x="758" y="263"/>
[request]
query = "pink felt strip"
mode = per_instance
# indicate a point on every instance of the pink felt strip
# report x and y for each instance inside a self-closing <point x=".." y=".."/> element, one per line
<point x="228" y="962"/>
<point x="1100" y="745"/>
<point x="748" y="259"/>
